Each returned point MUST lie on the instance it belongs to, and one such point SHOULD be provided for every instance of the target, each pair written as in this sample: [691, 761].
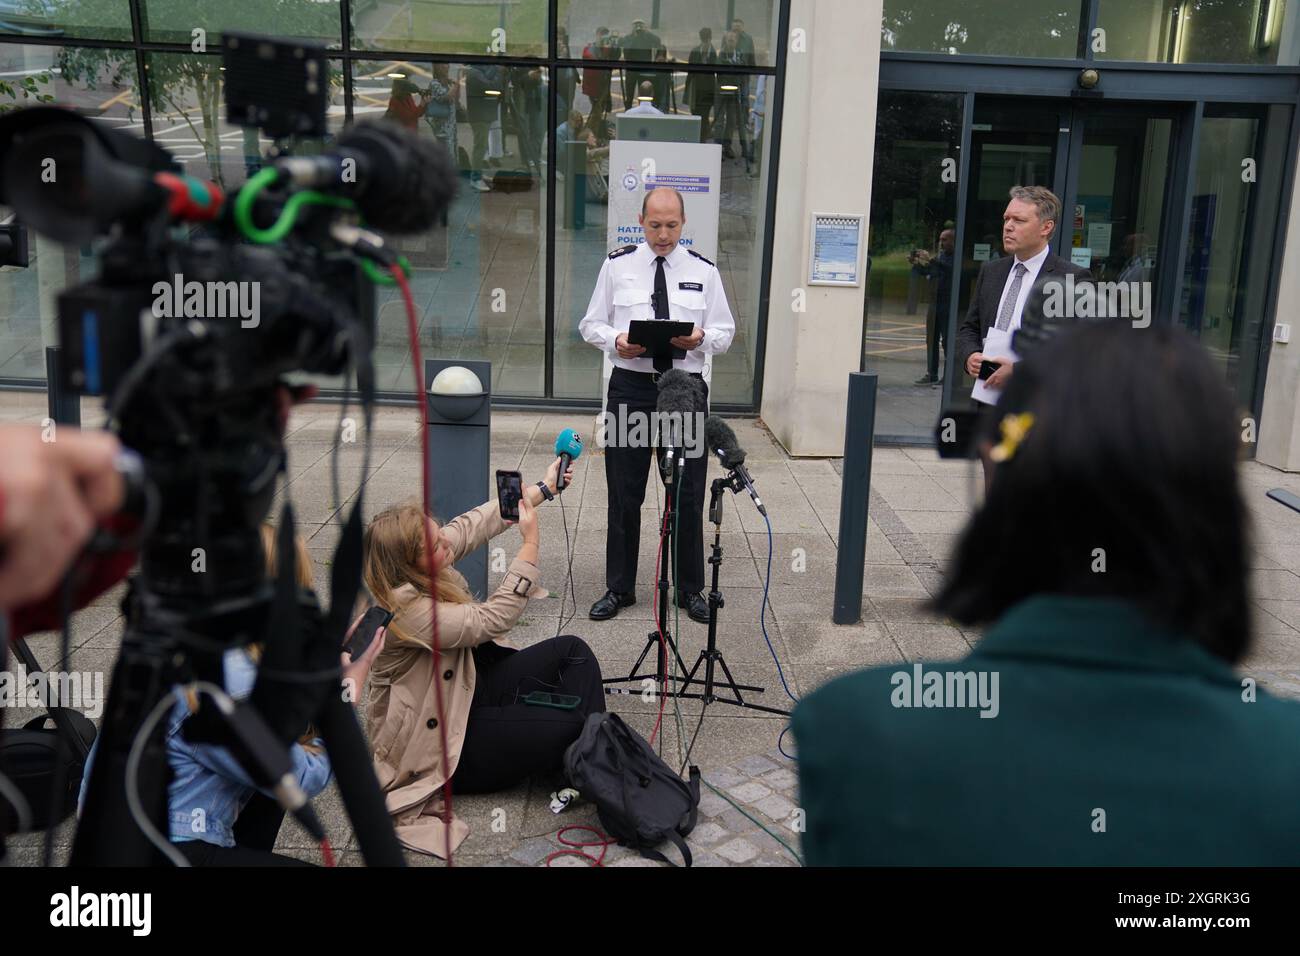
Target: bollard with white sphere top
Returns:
[458, 414]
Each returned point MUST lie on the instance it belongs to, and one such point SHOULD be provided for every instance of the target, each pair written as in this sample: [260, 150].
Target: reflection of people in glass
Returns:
[732, 104]
[482, 98]
[440, 112]
[566, 78]
[745, 50]
[646, 106]
[665, 95]
[403, 107]
[528, 103]
[638, 47]
[938, 269]
[702, 88]
[575, 129]
[744, 42]
[595, 83]
[1134, 267]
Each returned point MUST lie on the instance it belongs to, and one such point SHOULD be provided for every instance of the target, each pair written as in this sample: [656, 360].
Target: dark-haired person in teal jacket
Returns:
[1100, 720]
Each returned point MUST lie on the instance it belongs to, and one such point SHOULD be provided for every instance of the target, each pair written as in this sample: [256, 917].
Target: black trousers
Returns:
[626, 470]
[258, 824]
[936, 336]
[507, 740]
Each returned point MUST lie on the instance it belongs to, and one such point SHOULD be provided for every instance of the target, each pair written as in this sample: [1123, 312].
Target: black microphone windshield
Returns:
[722, 442]
[678, 392]
[404, 182]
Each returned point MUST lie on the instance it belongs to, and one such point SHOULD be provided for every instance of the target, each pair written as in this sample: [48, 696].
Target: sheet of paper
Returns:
[1099, 238]
[997, 345]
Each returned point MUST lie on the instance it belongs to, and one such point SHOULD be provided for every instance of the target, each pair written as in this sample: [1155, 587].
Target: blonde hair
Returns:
[303, 563]
[394, 546]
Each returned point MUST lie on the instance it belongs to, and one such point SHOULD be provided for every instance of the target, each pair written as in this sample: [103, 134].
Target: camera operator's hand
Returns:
[51, 496]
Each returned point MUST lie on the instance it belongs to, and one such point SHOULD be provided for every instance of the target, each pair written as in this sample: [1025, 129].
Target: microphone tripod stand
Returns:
[711, 654]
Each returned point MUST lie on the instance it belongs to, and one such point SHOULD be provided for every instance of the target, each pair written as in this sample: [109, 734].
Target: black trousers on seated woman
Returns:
[507, 740]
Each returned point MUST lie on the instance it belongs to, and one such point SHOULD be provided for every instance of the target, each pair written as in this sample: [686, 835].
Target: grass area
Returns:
[889, 275]
[442, 27]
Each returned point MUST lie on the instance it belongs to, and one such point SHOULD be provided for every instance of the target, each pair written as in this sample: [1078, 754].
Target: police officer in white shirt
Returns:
[657, 279]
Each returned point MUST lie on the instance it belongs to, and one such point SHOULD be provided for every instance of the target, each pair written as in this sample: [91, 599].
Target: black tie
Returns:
[662, 362]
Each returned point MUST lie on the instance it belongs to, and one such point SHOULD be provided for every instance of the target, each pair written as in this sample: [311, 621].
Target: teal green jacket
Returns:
[1114, 742]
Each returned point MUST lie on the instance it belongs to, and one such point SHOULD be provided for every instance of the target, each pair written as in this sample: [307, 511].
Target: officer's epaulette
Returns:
[700, 257]
[622, 252]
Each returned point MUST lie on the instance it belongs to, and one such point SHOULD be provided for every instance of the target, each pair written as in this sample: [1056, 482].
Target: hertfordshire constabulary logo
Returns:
[630, 181]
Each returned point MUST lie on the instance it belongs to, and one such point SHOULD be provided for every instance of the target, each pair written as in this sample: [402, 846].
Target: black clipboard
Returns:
[654, 334]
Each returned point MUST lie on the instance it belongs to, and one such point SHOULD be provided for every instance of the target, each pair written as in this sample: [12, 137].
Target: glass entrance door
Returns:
[1110, 163]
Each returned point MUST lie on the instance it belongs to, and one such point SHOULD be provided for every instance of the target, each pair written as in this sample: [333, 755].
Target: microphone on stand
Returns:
[722, 442]
[401, 182]
[679, 396]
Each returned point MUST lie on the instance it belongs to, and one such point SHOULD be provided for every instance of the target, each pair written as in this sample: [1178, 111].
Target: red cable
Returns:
[604, 843]
[327, 852]
[654, 611]
[413, 332]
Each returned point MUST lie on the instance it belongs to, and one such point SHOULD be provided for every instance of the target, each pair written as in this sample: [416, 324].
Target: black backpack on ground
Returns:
[29, 757]
[640, 801]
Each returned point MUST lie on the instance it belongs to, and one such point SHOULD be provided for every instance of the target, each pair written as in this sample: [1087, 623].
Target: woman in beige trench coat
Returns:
[494, 739]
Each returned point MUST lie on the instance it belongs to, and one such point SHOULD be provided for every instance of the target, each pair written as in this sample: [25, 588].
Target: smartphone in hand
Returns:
[987, 369]
[371, 622]
[510, 488]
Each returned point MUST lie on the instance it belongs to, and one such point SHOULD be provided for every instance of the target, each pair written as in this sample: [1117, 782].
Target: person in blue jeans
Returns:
[210, 790]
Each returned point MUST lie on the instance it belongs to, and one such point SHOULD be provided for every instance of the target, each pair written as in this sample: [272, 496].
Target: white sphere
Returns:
[456, 380]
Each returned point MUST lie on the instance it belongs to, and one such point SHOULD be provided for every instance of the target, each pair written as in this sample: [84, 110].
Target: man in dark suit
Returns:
[702, 87]
[1006, 286]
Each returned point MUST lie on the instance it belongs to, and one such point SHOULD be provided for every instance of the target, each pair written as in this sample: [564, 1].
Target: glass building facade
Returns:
[1174, 164]
[523, 93]
[1175, 168]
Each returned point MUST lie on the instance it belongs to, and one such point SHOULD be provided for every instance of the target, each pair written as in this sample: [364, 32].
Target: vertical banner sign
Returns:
[693, 169]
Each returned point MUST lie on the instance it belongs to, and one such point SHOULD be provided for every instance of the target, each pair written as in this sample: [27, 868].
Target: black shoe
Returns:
[697, 609]
[609, 605]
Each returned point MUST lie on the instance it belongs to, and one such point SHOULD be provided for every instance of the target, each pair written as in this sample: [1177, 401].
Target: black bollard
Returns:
[855, 489]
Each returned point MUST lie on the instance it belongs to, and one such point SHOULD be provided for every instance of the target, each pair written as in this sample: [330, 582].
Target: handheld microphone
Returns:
[401, 182]
[679, 395]
[568, 445]
[722, 442]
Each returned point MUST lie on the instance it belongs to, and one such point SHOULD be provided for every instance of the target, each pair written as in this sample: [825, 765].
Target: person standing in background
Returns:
[702, 88]
[566, 77]
[939, 271]
[596, 82]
